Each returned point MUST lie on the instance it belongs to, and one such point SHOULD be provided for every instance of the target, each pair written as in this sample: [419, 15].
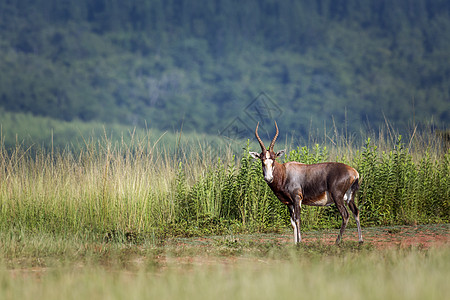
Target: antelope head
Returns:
[267, 156]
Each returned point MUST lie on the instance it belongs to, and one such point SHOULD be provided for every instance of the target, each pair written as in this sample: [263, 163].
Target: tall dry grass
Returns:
[133, 190]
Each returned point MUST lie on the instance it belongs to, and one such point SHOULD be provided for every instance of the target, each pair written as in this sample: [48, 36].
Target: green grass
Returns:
[240, 267]
[118, 191]
[376, 276]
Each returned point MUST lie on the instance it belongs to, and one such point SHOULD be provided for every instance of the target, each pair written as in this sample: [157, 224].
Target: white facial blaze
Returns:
[268, 168]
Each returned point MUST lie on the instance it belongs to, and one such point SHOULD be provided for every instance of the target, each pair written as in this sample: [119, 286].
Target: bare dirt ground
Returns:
[424, 236]
[230, 250]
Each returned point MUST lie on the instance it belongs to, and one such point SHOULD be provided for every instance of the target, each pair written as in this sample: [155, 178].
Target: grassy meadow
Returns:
[133, 191]
[70, 268]
[99, 221]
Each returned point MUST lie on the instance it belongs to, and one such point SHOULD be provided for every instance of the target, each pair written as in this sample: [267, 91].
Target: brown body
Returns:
[323, 184]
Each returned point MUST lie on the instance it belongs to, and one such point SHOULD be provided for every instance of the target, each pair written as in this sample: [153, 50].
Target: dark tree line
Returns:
[198, 63]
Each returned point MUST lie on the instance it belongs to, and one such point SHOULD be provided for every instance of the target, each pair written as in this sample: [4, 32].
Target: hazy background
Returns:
[216, 67]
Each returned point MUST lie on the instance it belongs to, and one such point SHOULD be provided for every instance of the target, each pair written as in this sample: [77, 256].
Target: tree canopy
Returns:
[199, 64]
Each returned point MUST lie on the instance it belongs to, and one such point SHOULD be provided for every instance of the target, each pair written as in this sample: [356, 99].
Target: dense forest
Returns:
[202, 65]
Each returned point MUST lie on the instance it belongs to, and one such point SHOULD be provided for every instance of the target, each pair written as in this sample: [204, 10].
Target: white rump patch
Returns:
[348, 195]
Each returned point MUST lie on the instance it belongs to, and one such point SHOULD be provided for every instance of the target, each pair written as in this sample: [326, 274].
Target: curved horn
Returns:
[263, 148]
[274, 138]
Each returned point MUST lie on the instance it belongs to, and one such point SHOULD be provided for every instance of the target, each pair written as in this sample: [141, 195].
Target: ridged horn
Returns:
[263, 148]
[274, 138]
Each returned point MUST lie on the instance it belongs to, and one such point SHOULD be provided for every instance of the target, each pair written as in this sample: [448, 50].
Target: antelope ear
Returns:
[281, 152]
[254, 154]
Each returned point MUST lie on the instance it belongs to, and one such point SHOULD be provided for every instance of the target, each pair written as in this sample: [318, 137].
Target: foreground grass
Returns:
[45, 266]
[315, 271]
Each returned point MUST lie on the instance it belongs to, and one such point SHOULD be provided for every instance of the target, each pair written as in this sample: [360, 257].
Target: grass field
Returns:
[133, 191]
[404, 262]
[118, 220]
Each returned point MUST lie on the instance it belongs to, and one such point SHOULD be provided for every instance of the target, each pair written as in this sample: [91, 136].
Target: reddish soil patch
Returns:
[405, 236]
[185, 253]
[426, 236]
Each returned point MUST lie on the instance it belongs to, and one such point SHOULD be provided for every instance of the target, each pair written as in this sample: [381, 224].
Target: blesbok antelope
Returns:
[319, 184]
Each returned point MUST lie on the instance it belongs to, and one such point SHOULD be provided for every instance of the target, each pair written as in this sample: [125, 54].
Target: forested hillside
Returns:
[199, 64]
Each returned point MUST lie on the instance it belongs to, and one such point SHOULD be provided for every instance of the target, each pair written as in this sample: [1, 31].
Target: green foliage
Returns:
[251, 201]
[171, 63]
[395, 189]
[306, 156]
[36, 132]
[233, 192]
[133, 192]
